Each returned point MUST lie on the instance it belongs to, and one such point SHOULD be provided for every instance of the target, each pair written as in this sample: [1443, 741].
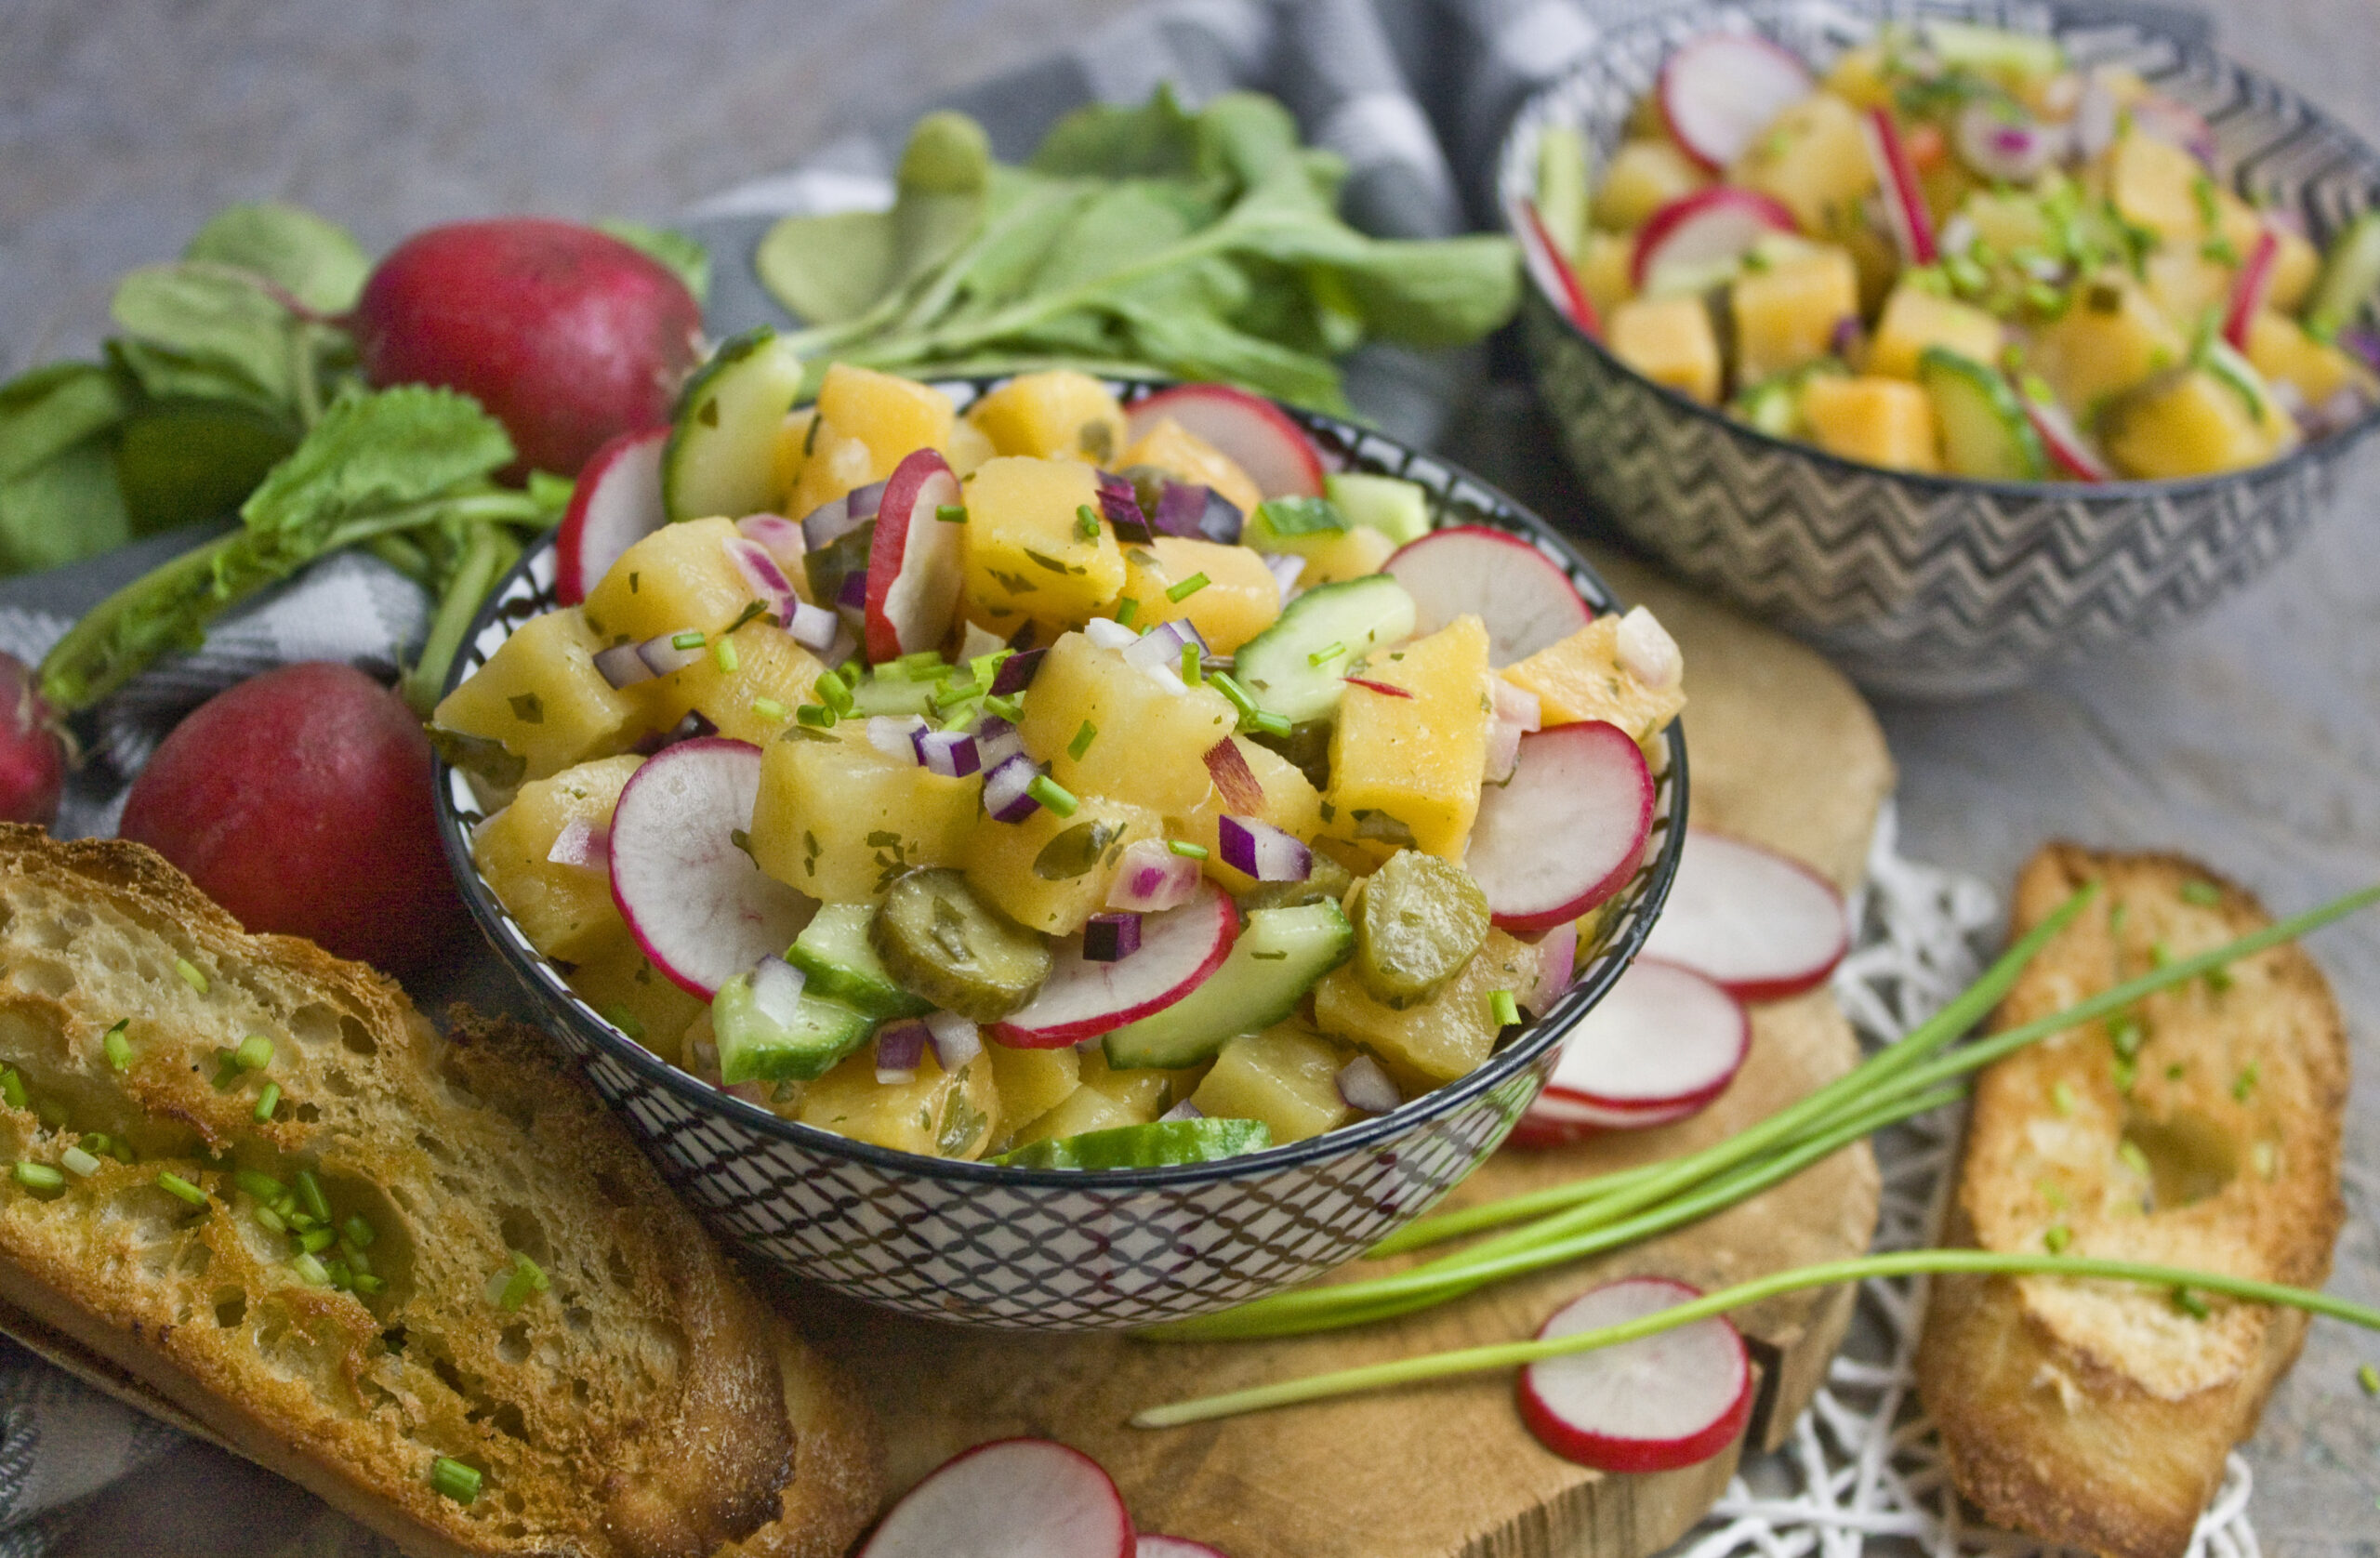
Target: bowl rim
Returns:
[1530, 118]
[534, 971]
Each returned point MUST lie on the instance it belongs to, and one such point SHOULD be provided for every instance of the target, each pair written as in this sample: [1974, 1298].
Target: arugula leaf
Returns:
[309, 257]
[668, 247]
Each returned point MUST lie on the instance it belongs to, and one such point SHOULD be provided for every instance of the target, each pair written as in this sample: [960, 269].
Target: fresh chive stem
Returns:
[118, 1046]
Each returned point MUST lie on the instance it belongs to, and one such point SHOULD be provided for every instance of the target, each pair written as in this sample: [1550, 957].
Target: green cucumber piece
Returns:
[1160, 1144]
[755, 1047]
[1278, 667]
[1985, 431]
[1278, 956]
[1562, 180]
[721, 454]
[1995, 51]
[834, 953]
[2351, 272]
[1397, 509]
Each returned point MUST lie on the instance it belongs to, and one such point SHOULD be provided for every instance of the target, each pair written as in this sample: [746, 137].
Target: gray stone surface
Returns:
[2251, 738]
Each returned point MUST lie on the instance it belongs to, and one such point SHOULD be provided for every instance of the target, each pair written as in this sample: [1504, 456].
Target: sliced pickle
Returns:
[943, 943]
[1418, 921]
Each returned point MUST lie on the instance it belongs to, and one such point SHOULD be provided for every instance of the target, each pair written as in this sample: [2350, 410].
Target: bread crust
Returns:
[647, 1405]
[2099, 1415]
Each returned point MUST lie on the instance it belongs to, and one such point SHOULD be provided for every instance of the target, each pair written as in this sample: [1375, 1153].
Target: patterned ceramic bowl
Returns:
[1052, 1250]
[1934, 587]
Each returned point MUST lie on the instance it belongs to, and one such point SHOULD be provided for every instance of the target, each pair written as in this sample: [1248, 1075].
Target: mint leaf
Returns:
[375, 452]
[668, 247]
[310, 258]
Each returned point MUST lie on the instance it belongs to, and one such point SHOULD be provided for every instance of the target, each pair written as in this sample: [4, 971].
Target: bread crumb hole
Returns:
[618, 1264]
[578, 1320]
[580, 1392]
[44, 977]
[314, 1023]
[433, 1146]
[615, 1193]
[506, 1419]
[307, 1113]
[513, 1345]
[357, 1038]
[49, 935]
[524, 1232]
[340, 1082]
[231, 1307]
[2191, 1157]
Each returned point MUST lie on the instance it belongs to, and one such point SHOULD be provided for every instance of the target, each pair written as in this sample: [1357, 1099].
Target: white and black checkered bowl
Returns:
[1054, 1251]
[1934, 587]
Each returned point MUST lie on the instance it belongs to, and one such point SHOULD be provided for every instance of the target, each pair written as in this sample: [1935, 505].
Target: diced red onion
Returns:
[2343, 407]
[1196, 513]
[767, 581]
[1109, 634]
[663, 657]
[1110, 938]
[1186, 1109]
[1160, 647]
[839, 516]
[812, 627]
[895, 734]
[1286, 568]
[1993, 146]
[1646, 651]
[1366, 1084]
[1386, 688]
[955, 1039]
[776, 990]
[1008, 790]
[1557, 963]
[996, 741]
[1016, 672]
[581, 843]
[779, 535]
[1233, 777]
[1843, 339]
[623, 665]
[1264, 851]
[1957, 234]
[1502, 756]
[1151, 878]
[1518, 704]
[2162, 118]
[853, 595]
[1121, 505]
[2363, 345]
[846, 644]
[694, 727]
[899, 1048]
[951, 754]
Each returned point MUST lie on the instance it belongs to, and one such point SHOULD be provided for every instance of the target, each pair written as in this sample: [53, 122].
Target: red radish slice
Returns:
[1175, 1546]
[1553, 272]
[1568, 828]
[1257, 435]
[616, 504]
[1523, 596]
[1760, 925]
[1721, 90]
[1011, 1498]
[1697, 235]
[1905, 210]
[693, 900]
[1083, 997]
[2066, 446]
[1663, 1040]
[916, 563]
[1672, 1399]
[2248, 292]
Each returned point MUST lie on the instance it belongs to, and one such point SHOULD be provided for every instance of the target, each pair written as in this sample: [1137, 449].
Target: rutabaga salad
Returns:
[1959, 252]
[1073, 784]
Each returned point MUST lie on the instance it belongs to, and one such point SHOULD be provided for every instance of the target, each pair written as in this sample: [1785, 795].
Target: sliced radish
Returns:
[1663, 1040]
[1696, 238]
[2070, 451]
[1905, 210]
[1524, 597]
[1566, 831]
[1721, 90]
[1011, 1498]
[1760, 925]
[1672, 1399]
[2248, 292]
[693, 900]
[1084, 997]
[1553, 272]
[916, 563]
[1254, 433]
[1175, 1546]
[616, 504]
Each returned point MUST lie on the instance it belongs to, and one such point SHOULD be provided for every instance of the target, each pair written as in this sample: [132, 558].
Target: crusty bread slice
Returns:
[643, 1405]
[2098, 1415]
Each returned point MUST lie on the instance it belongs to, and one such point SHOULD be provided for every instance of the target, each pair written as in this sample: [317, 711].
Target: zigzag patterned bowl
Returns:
[1037, 1249]
[1934, 587]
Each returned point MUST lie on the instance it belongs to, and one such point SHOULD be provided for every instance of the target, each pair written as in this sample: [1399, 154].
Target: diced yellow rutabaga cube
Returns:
[2195, 423]
[540, 696]
[1052, 873]
[791, 452]
[1813, 160]
[1032, 1082]
[831, 462]
[1581, 678]
[839, 820]
[680, 579]
[895, 416]
[1441, 1038]
[1084, 1109]
[2111, 338]
[2159, 186]
[1239, 600]
[622, 985]
[1292, 804]
[1147, 1091]
[2293, 270]
[1914, 319]
[2184, 283]
[2283, 352]
[1026, 554]
[1863, 76]
[1641, 178]
[2008, 219]
[772, 675]
[1786, 315]
[1888, 422]
[1411, 765]
[936, 1114]
[1107, 727]
[1604, 268]
[968, 447]
[1174, 449]
[1059, 415]
[566, 911]
[1669, 341]
[1330, 556]
[1285, 1077]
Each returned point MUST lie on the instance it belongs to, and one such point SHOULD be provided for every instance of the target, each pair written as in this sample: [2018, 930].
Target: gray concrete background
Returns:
[2251, 738]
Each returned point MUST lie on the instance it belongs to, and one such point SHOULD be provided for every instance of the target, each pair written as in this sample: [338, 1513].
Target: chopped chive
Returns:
[255, 1052]
[268, 1100]
[454, 1480]
[1052, 794]
[2368, 1378]
[2246, 1083]
[1008, 705]
[190, 973]
[174, 1184]
[1186, 588]
[2218, 979]
[2061, 1097]
[751, 608]
[310, 1269]
[2117, 915]
[2190, 1303]
[2127, 1033]
[1187, 850]
[83, 1163]
[814, 716]
[313, 1241]
[2204, 894]
[512, 1285]
[2135, 1160]
[1086, 523]
[2159, 954]
[2126, 1073]
[118, 1047]
[1126, 611]
[2053, 1193]
[724, 652]
[2057, 1237]
[1191, 672]
[264, 1187]
[310, 1191]
[50, 1113]
[13, 1087]
[950, 513]
[1265, 722]
[356, 1260]
[1081, 743]
[1507, 1010]
[1327, 654]
[834, 691]
[769, 708]
[367, 1283]
[1228, 685]
[38, 1176]
[338, 1272]
[270, 1219]
[690, 639]
[227, 1070]
[358, 1233]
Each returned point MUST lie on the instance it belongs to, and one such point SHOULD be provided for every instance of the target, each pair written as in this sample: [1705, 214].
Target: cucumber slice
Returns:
[1397, 509]
[1985, 431]
[1160, 1144]
[1995, 51]
[755, 1047]
[1279, 666]
[2351, 272]
[833, 951]
[1277, 960]
[721, 455]
[1562, 180]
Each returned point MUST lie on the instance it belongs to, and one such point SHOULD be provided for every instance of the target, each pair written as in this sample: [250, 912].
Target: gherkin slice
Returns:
[1418, 921]
[943, 943]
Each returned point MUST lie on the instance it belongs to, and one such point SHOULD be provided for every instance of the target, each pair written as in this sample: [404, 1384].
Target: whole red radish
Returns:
[300, 801]
[33, 755]
[568, 336]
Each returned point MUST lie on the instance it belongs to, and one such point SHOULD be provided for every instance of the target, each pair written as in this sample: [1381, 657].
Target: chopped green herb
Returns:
[511, 1285]
[724, 652]
[2127, 1035]
[118, 1047]
[2135, 1160]
[313, 1241]
[38, 1176]
[1228, 685]
[174, 1184]
[264, 1187]
[2246, 1083]
[190, 973]
[1187, 850]
[950, 513]
[2159, 954]
[834, 691]
[812, 715]
[1507, 1010]
[13, 1087]
[751, 608]
[454, 1480]
[1008, 705]
[2204, 894]
[2126, 1073]
[1300, 516]
[310, 1192]
[255, 1052]
[1086, 522]
[2057, 1238]
[1186, 588]
[2218, 979]
[2062, 1097]
[1052, 794]
[2190, 1303]
[310, 1269]
[2053, 1193]
[80, 1163]
[266, 1217]
[768, 708]
[358, 1233]
[1327, 654]
[1191, 671]
[1266, 723]
[2368, 1378]
[1081, 743]
[268, 1100]
[1128, 611]
[688, 639]
[367, 1284]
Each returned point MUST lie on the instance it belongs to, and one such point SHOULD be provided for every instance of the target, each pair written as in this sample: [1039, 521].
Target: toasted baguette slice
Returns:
[2098, 1415]
[643, 1404]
